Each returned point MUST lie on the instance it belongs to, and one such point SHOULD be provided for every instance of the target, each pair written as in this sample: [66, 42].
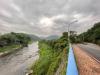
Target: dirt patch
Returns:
[86, 65]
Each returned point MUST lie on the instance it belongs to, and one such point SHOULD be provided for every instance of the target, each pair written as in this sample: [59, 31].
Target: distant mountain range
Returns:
[52, 37]
[34, 37]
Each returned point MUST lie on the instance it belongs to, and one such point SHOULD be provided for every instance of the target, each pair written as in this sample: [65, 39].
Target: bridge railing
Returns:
[71, 66]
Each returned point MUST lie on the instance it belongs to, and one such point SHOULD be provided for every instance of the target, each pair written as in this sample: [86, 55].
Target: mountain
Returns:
[52, 37]
[34, 37]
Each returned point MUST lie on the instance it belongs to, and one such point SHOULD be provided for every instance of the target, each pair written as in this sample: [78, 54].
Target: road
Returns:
[92, 49]
[19, 62]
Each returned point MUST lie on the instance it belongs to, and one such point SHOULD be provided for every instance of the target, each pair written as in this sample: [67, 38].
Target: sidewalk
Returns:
[86, 65]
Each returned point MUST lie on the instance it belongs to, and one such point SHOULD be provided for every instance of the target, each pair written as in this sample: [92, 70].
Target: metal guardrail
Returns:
[71, 66]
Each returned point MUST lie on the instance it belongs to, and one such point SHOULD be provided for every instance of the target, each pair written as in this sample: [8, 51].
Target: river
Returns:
[18, 62]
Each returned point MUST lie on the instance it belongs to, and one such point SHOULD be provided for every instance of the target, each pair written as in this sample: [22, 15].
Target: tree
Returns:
[92, 35]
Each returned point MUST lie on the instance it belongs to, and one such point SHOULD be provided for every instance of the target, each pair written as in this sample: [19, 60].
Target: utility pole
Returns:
[72, 67]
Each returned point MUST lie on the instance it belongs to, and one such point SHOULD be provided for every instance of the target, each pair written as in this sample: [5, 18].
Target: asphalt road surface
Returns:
[18, 63]
[91, 49]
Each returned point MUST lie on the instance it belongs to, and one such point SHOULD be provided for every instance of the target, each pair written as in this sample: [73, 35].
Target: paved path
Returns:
[85, 59]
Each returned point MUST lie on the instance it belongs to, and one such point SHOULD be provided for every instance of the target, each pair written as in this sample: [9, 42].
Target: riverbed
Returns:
[19, 62]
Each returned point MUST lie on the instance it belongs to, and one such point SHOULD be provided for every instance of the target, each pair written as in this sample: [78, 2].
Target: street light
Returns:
[72, 67]
[69, 30]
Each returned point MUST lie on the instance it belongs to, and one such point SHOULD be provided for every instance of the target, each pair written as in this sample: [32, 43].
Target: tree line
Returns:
[92, 35]
[59, 44]
[14, 38]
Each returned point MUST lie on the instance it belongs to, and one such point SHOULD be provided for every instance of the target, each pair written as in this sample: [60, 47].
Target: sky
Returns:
[48, 17]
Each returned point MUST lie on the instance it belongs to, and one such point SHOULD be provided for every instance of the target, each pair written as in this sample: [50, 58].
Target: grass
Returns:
[42, 65]
[9, 48]
[48, 62]
[54, 65]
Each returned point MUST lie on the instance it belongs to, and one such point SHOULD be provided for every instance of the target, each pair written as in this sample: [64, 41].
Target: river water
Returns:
[18, 63]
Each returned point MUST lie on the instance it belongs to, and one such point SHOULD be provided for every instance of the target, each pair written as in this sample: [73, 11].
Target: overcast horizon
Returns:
[47, 17]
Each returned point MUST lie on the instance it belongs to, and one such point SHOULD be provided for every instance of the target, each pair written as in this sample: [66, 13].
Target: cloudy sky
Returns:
[48, 17]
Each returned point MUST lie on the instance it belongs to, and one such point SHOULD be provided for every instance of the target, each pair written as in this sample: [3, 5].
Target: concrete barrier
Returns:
[71, 66]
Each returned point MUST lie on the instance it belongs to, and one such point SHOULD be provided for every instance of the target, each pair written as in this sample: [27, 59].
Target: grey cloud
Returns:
[25, 15]
[85, 6]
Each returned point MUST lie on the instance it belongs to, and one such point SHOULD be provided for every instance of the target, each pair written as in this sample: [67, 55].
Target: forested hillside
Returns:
[13, 40]
[92, 35]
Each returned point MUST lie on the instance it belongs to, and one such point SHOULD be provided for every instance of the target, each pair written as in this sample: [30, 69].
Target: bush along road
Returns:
[53, 55]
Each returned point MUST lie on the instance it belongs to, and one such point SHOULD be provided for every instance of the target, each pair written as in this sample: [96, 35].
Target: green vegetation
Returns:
[52, 54]
[13, 40]
[92, 35]
[9, 48]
